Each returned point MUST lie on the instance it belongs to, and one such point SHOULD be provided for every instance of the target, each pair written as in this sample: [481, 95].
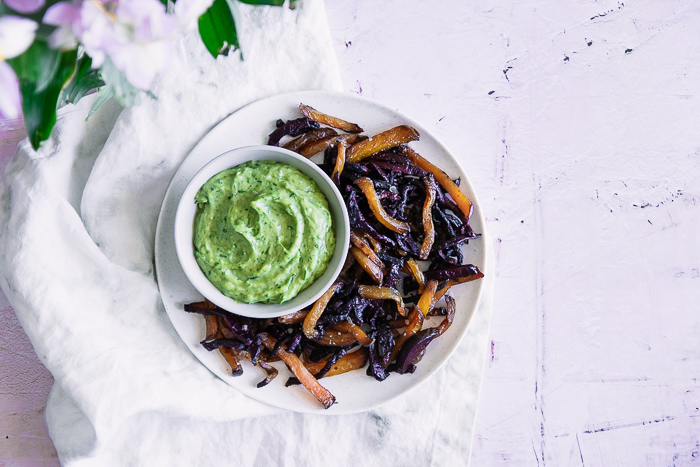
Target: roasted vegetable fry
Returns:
[349, 362]
[291, 128]
[312, 317]
[412, 267]
[360, 335]
[413, 349]
[427, 298]
[211, 326]
[428, 226]
[372, 268]
[382, 293]
[449, 317]
[358, 240]
[339, 161]
[309, 138]
[442, 178]
[334, 122]
[336, 338]
[414, 325]
[381, 142]
[321, 145]
[367, 187]
[231, 357]
[312, 385]
[293, 318]
[464, 273]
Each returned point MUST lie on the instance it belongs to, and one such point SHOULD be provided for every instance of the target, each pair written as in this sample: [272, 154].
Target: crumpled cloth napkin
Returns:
[77, 226]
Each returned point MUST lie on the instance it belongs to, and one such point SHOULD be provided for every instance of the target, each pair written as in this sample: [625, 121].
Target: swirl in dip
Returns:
[263, 232]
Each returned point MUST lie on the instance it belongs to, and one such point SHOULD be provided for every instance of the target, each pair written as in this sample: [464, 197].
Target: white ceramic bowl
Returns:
[184, 231]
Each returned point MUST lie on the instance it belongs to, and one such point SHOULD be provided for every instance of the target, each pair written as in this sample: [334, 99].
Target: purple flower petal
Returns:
[10, 102]
[61, 14]
[25, 6]
[16, 35]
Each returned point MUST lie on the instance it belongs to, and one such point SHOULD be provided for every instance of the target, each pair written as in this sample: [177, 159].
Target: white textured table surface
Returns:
[578, 122]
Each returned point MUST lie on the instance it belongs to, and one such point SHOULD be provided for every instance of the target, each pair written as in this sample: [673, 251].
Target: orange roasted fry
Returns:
[339, 161]
[367, 187]
[357, 240]
[348, 362]
[411, 266]
[415, 324]
[318, 146]
[325, 119]
[231, 357]
[381, 142]
[321, 145]
[334, 337]
[355, 330]
[211, 326]
[382, 293]
[442, 178]
[449, 317]
[309, 138]
[443, 291]
[311, 384]
[428, 227]
[376, 246]
[312, 317]
[427, 298]
[293, 318]
[453, 282]
[367, 264]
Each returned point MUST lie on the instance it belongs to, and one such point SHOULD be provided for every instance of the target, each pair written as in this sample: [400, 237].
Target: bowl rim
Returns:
[183, 231]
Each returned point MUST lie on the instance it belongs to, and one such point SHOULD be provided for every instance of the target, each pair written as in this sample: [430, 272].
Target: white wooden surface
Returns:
[579, 124]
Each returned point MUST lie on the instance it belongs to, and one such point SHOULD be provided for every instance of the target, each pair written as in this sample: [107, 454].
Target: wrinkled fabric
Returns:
[78, 221]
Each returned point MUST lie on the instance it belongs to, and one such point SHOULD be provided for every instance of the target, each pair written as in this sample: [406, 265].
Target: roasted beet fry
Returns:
[291, 128]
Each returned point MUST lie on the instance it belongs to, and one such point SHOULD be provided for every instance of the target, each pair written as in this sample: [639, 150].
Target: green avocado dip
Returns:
[263, 232]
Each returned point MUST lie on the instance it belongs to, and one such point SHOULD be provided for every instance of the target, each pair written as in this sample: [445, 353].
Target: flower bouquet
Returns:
[52, 53]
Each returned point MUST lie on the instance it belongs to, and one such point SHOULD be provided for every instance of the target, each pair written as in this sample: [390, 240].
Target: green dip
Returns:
[263, 232]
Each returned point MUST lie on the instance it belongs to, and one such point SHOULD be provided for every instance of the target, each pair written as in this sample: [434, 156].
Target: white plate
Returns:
[354, 391]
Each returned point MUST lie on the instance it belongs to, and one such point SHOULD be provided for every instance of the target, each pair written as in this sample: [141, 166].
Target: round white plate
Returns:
[354, 391]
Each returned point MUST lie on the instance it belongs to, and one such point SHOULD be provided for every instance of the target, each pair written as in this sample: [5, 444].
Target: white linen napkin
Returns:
[77, 224]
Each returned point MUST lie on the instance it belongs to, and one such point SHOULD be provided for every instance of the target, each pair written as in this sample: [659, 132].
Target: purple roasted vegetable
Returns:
[414, 349]
[223, 342]
[457, 272]
[291, 128]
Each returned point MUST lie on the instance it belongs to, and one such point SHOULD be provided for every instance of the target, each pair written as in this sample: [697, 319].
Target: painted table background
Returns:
[579, 124]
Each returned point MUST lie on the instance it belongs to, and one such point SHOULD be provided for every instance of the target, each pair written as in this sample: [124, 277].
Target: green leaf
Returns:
[84, 80]
[263, 2]
[38, 64]
[124, 91]
[218, 29]
[39, 105]
[102, 96]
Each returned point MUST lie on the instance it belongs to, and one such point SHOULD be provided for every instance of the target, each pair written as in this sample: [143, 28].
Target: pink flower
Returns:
[66, 16]
[137, 35]
[16, 35]
[25, 6]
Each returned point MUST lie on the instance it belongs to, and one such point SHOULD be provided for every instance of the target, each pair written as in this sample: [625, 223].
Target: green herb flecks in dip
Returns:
[263, 232]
